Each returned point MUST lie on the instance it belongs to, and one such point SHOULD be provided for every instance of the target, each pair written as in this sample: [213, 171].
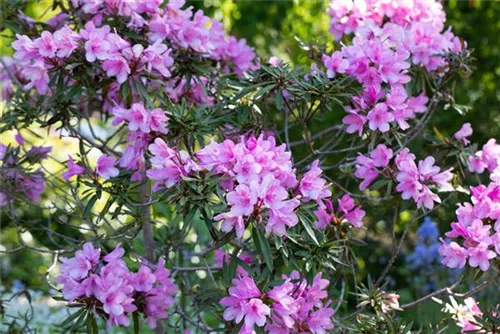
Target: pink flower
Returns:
[381, 155]
[323, 218]
[312, 186]
[144, 279]
[46, 45]
[159, 121]
[115, 255]
[272, 192]
[275, 61]
[138, 118]
[346, 203]
[66, 41]
[38, 76]
[464, 132]
[243, 302]
[355, 217]
[320, 320]
[118, 67]
[480, 256]
[26, 50]
[354, 122]
[247, 169]
[230, 222]
[255, 313]
[427, 169]
[77, 267]
[379, 118]
[365, 169]
[426, 198]
[335, 64]
[476, 164]
[453, 255]
[242, 200]
[73, 169]
[282, 217]
[105, 167]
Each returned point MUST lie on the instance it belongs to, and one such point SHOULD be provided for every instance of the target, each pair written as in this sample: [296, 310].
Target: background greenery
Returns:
[274, 28]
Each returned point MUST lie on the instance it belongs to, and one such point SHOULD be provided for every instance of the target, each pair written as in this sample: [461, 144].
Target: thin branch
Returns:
[447, 289]
[318, 135]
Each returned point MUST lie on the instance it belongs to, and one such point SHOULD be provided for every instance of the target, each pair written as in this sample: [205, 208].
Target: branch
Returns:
[447, 289]
[318, 135]
[398, 248]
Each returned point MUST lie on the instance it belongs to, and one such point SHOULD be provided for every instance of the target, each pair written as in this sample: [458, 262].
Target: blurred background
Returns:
[274, 28]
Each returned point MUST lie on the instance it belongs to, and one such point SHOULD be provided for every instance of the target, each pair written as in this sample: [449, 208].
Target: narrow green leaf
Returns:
[233, 265]
[91, 323]
[264, 247]
[72, 317]
[89, 206]
[309, 230]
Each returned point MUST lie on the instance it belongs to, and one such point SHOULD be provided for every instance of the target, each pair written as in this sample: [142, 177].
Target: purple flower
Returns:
[117, 67]
[73, 169]
[464, 132]
[106, 167]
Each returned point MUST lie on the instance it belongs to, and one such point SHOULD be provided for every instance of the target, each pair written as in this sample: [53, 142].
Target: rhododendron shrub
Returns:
[202, 189]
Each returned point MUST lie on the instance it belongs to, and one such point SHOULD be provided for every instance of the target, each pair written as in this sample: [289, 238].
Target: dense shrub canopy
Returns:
[172, 179]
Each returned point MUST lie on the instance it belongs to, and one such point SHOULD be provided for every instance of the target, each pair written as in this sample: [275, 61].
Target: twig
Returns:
[318, 135]
[398, 249]
[433, 294]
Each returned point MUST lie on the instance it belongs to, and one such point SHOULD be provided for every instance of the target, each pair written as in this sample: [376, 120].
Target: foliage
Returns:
[272, 189]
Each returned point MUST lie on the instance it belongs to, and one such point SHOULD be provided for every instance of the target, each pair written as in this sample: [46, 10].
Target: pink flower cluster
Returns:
[347, 16]
[120, 58]
[117, 56]
[202, 34]
[144, 126]
[414, 180]
[487, 159]
[180, 27]
[107, 284]
[381, 54]
[347, 210]
[291, 307]
[478, 227]
[258, 176]
[369, 168]
[168, 165]
[132, 9]
[380, 63]
[17, 178]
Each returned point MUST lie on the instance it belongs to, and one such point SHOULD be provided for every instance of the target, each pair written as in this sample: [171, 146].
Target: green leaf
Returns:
[263, 246]
[69, 320]
[309, 230]
[245, 266]
[238, 328]
[279, 100]
[263, 91]
[59, 298]
[233, 265]
[92, 324]
[225, 274]
[88, 207]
